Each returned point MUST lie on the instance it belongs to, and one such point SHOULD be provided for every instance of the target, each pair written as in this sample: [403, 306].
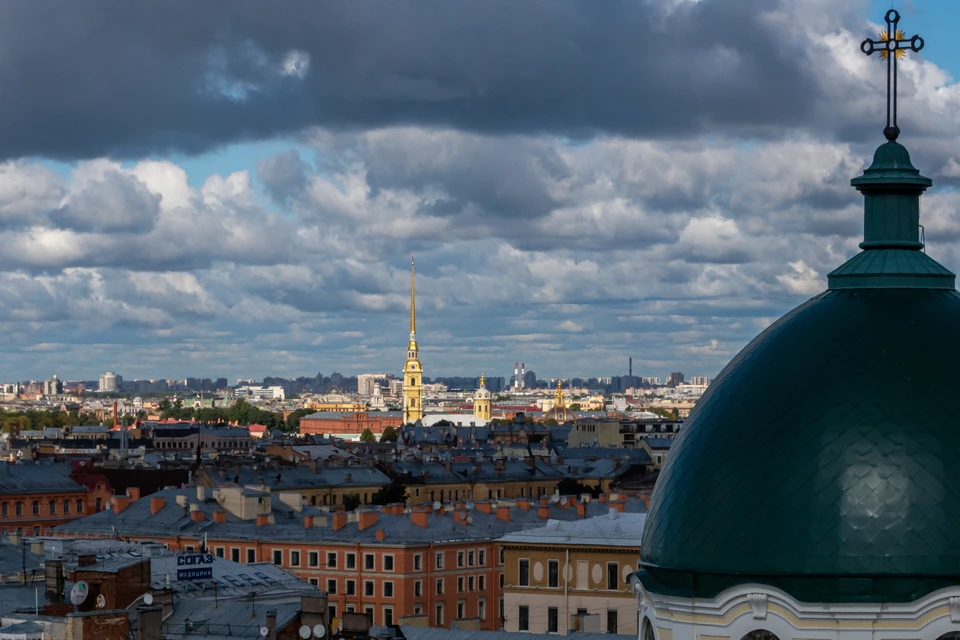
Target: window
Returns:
[351, 587]
[368, 588]
[440, 560]
[332, 560]
[314, 581]
[553, 620]
[417, 589]
[313, 558]
[470, 582]
[36, 507]
[440, 586]
[53, 508]
[3, 510]
[332, 611]
[460, 584]
[470, 558]
[351, 561]
[482, 583]
[613, 575]
[482, 609]
[387, 616]
[332, 586]
[438, 620]
[460, 607]
[417, 562]
[388, 563]
[500, 605]
[387, 589]
[523, 616]
[501, 555]
[482, 557]
[501, 581]
[369, 612]
[251, 556]
[278, 556]
[294, 558]
[235, 555]
[524, 577]
[220, 552]
[368, 561]
[553, 573]
[459, 558]
[611, 620]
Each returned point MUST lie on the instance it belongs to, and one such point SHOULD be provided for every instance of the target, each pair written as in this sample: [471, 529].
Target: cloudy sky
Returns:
[210, 189]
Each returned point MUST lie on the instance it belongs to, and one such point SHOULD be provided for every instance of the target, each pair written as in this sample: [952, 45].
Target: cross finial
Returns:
[892, 46]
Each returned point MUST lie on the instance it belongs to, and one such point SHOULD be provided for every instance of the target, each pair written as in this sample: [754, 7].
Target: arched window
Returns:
[80, 507]
[648, 630]
[760, 634]
[19, 508]
[36, 507]
[53, 508]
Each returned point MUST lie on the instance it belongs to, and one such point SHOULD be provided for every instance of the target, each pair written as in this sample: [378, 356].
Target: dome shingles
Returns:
[820, 458]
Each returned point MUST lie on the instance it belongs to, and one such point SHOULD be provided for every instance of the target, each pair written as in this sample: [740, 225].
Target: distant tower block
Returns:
[630, 370]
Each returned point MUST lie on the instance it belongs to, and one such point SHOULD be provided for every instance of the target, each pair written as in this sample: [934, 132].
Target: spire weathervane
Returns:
[892, 46]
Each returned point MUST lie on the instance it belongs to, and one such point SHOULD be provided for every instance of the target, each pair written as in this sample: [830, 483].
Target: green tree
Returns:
[351, 501]
[293, 420]
[393, 493]
[571, 487]
[367, 436]
[390, 434]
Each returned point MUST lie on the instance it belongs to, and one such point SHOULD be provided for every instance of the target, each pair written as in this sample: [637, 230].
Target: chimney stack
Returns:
[339, 520]
[157, 503]
[271, 624]
[367, 519]
[631, 367]
[516, 375]
[150, 623]
[503, 513]
[53, 581]
[523, 375]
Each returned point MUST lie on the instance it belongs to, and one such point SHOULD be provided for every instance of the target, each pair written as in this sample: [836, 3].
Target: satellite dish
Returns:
[554, 498]
[318, 630]
[305, 632]
[101, 601]
[106, 505]
[264, 631]
[436, 506]
[148, 599]
[79, 593]
[469, 519]
[563, 501]
[470, 505]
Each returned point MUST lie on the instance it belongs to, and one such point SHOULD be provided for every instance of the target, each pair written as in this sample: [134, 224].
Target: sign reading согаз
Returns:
[191, 567]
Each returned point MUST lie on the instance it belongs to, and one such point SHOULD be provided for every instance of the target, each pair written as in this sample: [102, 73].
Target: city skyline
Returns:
[254, 211]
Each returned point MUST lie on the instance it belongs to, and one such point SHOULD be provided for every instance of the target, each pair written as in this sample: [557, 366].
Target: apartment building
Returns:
[573, 576]
[421, 565]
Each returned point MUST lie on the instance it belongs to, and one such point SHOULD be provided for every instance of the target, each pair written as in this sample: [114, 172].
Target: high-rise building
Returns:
[53, 386]
[675, 378]
[412, 371]
[110, 382]
[367, 381]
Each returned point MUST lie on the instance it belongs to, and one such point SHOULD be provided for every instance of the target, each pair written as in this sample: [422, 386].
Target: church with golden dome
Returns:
[482, 401]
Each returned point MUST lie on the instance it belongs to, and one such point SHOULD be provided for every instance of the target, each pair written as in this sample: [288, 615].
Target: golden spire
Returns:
[483, 381]
[413, 305]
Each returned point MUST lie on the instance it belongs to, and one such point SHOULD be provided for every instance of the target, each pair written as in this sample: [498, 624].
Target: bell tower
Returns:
[412, 371]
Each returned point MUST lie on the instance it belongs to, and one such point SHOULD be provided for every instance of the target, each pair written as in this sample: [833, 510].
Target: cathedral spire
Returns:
[413, 304]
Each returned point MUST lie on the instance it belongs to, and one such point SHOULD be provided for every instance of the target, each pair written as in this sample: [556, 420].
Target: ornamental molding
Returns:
[758, 602]
[954, 608]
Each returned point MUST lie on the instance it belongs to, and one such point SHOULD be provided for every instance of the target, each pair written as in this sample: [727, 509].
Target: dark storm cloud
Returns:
[101, 77]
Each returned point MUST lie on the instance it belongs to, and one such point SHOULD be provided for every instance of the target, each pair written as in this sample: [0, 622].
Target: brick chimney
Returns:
[271, 624]
[460, 516]
[263, 519]
[150, 623]
[367, 519]
[339, 520]
[120, 503]
[381, 535]
[603, 497]
[581, 509]
[197, 516]
[420, 518]
[523, 503]
[503, 513]
[157, 503]
[619, 505]
[86, 559]
[133, 493]
[543, 511]
[307, 522]
[485, 507]
[219, 517]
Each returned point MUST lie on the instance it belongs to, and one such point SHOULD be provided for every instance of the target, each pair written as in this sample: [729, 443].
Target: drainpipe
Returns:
[566, 587]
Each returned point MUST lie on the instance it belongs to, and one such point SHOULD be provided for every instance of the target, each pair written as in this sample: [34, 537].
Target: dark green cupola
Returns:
[892, 244]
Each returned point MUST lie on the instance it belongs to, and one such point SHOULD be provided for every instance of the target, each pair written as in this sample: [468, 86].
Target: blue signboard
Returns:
[195, 566]
[198, 573]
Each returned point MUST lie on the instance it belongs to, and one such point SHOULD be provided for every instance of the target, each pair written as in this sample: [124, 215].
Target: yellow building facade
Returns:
[412, 371]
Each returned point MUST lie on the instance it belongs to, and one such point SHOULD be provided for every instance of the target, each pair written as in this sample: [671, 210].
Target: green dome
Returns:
[823, 458]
